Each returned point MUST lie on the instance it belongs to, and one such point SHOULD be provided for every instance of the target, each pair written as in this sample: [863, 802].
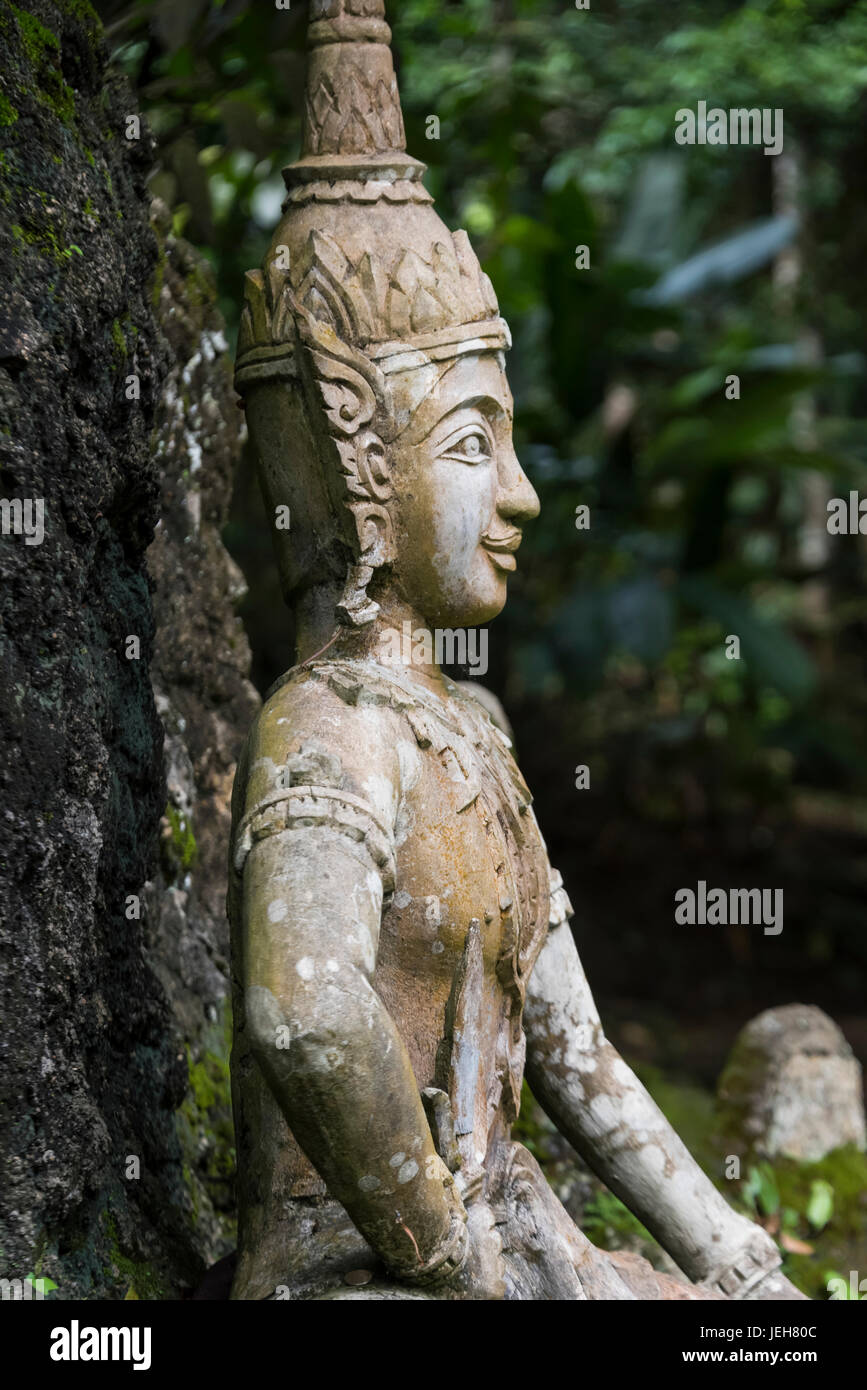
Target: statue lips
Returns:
[501, 549]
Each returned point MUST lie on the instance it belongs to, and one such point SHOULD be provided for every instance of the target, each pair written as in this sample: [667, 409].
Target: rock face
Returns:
[90, 1074]
[792, 1086]
[108, 1150]
[200, 664]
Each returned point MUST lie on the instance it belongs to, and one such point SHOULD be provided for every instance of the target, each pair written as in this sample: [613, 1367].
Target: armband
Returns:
[297, 808]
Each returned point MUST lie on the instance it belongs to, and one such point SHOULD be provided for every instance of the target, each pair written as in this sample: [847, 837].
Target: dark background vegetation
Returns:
[708, 516]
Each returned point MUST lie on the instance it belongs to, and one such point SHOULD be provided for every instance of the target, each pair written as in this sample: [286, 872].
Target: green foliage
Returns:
[178, 845]
[820, 1204]
[532, 1128]
[608, 1223]
[817, 1211]
[760, 1190]
[42, 1285]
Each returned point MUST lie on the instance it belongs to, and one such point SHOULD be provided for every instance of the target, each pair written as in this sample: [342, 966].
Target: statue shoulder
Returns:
[308, 734]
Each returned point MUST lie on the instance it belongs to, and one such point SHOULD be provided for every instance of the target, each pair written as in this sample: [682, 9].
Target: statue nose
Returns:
[517, 499]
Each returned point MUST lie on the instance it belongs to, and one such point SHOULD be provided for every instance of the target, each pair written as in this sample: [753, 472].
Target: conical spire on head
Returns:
[360, 248]
[351, 104]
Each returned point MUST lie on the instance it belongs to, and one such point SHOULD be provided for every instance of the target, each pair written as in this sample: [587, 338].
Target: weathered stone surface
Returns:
[90, 1073]
[793, 1086]
[200, 664]
[114, 1023]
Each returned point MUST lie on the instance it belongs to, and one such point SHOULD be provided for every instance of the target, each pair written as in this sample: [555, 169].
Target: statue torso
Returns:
[466, 849]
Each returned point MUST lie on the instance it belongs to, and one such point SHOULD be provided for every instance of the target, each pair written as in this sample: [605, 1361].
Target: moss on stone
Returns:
[84, 13]
[210, 1092]
[153, 1247]
[199, 285]
[162, 260]
[8, 114]
[141, 1280]
[44, 239]
[34, 36]
[120, 356]
[179, 846]
[43, 51]
[743, 1077]
[205, 1125]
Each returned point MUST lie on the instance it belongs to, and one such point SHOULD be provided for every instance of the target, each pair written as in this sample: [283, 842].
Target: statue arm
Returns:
[600, 1106]
[330, 1051]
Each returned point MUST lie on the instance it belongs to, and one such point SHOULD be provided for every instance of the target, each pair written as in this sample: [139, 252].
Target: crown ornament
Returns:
[363, 300]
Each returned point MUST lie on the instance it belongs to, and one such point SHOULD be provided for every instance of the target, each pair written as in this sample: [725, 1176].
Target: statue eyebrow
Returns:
[485, 404]
[489, 405]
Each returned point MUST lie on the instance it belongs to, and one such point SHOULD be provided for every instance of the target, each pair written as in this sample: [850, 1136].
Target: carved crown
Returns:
[360, 247]
[368, 299]
[364, 296]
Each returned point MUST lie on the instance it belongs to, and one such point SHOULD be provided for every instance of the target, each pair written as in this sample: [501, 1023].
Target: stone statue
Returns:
[402, 949]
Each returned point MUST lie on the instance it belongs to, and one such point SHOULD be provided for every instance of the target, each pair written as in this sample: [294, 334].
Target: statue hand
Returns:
[483, 1273]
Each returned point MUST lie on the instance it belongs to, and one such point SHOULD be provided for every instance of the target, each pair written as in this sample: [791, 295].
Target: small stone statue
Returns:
[402, 949]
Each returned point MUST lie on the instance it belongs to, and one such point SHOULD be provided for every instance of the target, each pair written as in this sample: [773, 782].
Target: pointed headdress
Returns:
[364, 299]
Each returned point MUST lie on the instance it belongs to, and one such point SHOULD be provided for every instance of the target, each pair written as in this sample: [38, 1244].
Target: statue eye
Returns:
[471, 447]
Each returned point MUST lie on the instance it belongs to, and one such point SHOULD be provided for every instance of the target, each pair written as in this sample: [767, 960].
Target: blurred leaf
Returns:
[722, 264]
[794, 1246]
[767, 1192]
[770, 654]
[820, 1206]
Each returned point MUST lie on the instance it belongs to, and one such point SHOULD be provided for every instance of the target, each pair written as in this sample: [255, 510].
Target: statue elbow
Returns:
[309, 1032]
[267, 1021]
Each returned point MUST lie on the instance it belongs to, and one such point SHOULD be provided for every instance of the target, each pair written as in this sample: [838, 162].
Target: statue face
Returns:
[461, 497]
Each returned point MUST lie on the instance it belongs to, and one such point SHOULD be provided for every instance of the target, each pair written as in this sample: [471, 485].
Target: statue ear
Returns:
[347, 393]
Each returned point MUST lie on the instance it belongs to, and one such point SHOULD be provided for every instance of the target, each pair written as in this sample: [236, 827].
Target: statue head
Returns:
[371, 361]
